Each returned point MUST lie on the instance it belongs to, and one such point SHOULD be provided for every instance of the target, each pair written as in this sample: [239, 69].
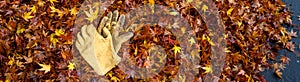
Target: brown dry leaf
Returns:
[290, 46]
[278, 73]
[292, 33]
[284, 60]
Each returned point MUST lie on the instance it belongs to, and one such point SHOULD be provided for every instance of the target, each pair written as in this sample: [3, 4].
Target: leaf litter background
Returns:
[36, 40]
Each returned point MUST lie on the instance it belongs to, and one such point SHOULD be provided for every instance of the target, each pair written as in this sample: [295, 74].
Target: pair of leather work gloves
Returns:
[99, 46]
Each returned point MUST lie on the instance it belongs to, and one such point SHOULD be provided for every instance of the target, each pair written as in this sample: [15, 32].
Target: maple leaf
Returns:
[176, 49]
[92, 15]
[20, 30]
[53, 9]
[192, 41]
[229, 11]
[59, 32]
[152, 2]
[249, 78]
[53, 40]
[242, 72]
[74, 11]
[204, 37]
[71, 66]
[240, 23]
[41, 3]
[284, 59]
[207, 69]
[52, 1]
[45, 68]
[11, 60]
[115, 79]
[33, 9]
[292, 33]
[227, 50]
[189, 1]
[278, 73]
[135, 50]
[27, 15]
[290, 46]
[204, 8]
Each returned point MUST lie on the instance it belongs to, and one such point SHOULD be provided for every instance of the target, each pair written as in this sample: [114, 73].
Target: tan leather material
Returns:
[99, 47]
[96, 50]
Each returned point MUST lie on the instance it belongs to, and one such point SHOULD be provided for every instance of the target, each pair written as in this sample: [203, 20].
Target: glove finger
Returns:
[102, 24]
[118, 26]
[121, 39]
[121, 20]
[108, 22]
[78, 44]
[114, 19]
[84, 33]
[115, 33]
[79, 39]
[90, 31]
[105, 32]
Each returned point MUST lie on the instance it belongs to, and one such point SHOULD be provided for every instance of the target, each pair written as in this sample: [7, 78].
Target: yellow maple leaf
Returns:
[20, 30]
[53, 40]
[71, 66]
[227, 50]
[115, 79]
[33, 9]
[189, 1]
[204, 8]
[204, 37]
[27, 15]
[45, 68]
[53, 9]
[135, 51]
[207, 69]
[176, 49]
[192, 41]
[91, 16]
[59, 32]
[11, 60]
[152, 2]
[41, 3]
[52, 1]
[240, 23]
[229, 11]
[74, 11]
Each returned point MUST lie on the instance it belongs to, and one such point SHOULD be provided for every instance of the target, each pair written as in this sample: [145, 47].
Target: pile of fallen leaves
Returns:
[36, 39]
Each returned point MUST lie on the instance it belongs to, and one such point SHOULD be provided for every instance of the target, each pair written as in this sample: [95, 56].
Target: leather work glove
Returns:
[100, 47]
